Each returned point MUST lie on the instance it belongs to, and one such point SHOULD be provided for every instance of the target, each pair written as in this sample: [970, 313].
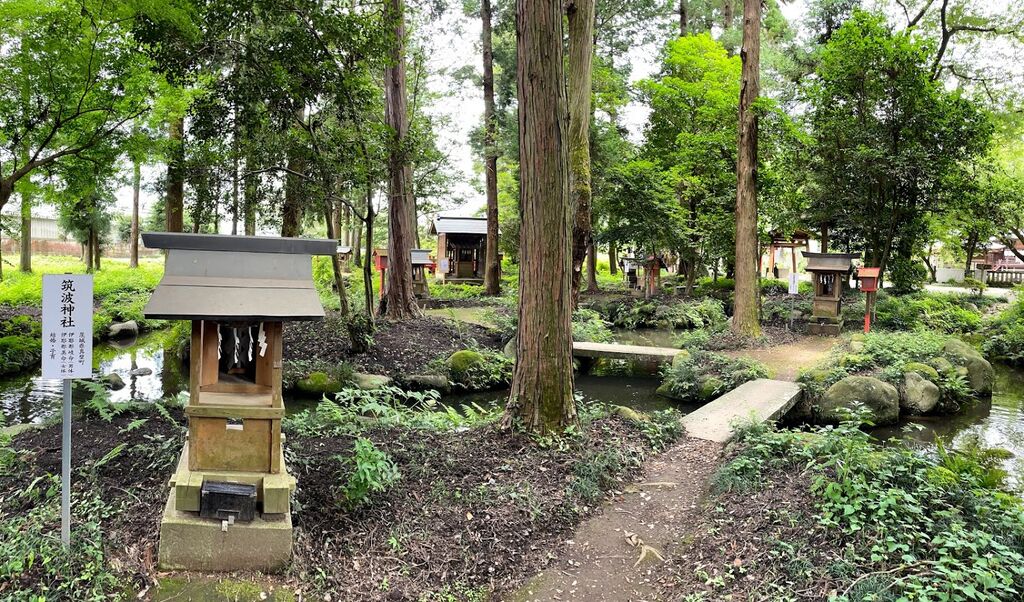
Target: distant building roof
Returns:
[830, 262]
[459, 225]
[217, 277]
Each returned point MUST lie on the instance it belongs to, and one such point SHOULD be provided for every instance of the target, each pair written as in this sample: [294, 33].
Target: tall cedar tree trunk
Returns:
[683, 17]
[581, 57]
[25, 265]
[591, 267]
[175, 200]
[745, 313]
[368, 258]
[291, 211]
[824, 238]
[399, 301]
[613, 258]
[541, 399]
[492, 268]
[133, 243]
[96, 249]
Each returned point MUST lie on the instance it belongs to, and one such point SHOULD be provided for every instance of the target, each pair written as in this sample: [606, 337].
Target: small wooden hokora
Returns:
[830, 272]
[229, 505]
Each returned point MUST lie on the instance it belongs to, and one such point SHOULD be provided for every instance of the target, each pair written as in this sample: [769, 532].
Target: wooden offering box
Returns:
[237, 291]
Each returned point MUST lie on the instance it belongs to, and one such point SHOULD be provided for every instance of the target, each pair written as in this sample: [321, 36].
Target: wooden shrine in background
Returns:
[230, 499]
[830, 272]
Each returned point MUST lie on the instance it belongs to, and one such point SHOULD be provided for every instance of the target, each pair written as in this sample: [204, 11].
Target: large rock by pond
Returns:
[920, 396]
[369, 382]
[980, 374]
[112, 381]
[924, 370]
[461, 362]
[318, 383]
[426, 382]
[123, 330]
[881, 398]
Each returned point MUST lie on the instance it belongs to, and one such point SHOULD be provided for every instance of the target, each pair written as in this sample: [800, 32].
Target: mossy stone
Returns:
[710, 386]
[629, 414]
[881, 398]
[318, 383]
[369, 382]
[854, 360]
[461, 362]
[941, 365]
[682, 357]
[923, 369]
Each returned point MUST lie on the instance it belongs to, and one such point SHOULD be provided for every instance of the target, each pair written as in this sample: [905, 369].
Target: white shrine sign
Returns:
[67, 326]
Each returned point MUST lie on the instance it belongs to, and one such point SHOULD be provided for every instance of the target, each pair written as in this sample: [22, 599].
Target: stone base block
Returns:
[825, 330]
[191, 543]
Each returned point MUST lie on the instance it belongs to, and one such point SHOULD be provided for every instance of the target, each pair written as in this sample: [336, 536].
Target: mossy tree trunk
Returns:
[746, 307]
[581, 57]
[492, 268]
[541, 399]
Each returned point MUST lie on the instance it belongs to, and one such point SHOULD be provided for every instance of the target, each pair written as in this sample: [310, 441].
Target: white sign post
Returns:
[794, 290]
[67, 354]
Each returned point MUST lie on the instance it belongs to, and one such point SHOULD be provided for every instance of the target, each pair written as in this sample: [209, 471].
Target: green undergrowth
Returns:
[704, 375]
[888, 356]
[940, 312]
[34, 564]
[901, 524]
[1003, 335]
[353, 410]
[662, 312]
[19, 288]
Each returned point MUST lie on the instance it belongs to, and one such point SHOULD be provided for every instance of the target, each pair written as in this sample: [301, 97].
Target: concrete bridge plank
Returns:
[623, 352]
[761, 400]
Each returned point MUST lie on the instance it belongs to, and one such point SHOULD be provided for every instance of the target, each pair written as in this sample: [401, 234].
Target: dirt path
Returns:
[786, 360]
[600, 562]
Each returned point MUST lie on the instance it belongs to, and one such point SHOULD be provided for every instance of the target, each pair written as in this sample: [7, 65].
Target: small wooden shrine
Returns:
[461, 248]
[421, 262]
[829, 271]
[230, 500]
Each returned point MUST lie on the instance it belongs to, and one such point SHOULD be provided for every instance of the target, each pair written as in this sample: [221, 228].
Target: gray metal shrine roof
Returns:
[219, 277]
[420, 256]
[830, 262]
[459, 225]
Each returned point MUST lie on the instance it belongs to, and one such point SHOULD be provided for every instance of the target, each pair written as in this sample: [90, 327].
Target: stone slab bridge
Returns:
[759, 400]
[615, 351]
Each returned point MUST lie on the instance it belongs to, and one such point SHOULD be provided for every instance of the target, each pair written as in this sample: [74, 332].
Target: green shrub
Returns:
[19, 353]
[588, 326]
[1004, 335]
[370, 472]
[480, 369]
[704, 375]
[664, 312]
[907, 275]
[954, 314]
[456, 291]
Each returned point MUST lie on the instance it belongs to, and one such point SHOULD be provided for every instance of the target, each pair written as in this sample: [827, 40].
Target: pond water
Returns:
[28, 398]
[998, 422]
[158, 374]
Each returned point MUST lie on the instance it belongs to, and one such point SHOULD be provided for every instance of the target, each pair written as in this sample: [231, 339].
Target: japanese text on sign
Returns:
[67, 326]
